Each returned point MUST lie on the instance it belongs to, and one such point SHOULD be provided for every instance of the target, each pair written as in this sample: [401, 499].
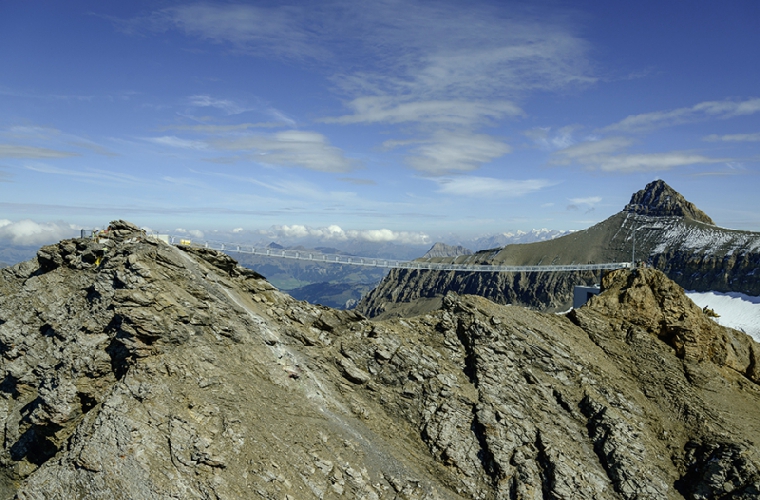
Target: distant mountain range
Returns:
[658, 227]
[511, 238]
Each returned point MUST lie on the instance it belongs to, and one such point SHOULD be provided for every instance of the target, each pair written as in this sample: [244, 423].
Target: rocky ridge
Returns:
[689, 248]
[133, 369]
[660, 200]
[443, 250]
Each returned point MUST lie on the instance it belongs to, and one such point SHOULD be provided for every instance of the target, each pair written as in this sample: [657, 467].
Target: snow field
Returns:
[736, 310]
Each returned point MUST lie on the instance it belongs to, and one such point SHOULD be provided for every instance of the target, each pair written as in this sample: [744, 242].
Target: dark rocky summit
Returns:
[134, 369]
[670, 233]
[658, 199]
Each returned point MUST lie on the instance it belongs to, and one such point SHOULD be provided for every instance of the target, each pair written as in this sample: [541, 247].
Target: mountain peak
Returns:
[444, 250]
[660, 200]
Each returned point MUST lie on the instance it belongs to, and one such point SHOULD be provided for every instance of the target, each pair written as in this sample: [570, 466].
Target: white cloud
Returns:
[377, 109]
[95, 148]
[590, 200]
[292, 148]
[222, 129]
[446, 152]
[226, 105]
[733, 138]
[29, 232]
[274, 31]
[238, 230]
[488, 186]
[650, 162]
[607, 155]
[89, 174]
[421, 63]
[18, 151]
[708, 109]
[548, 140]
[414, 48]
[336, 233]
[176, 142]
[591, 149]
[195, 233]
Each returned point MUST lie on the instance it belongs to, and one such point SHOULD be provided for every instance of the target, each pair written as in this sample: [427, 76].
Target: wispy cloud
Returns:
[292, 148]
[487, 186]
[5, 176]
[704, 110]
[377, 109]
[733, 138]
[32, 152]
[445, 152]
[548, 139]
[589, 200]
[358, 182]
[430, 46]
[274, 31]
[176, 142]
[650, 162]
[90, 174]
[452, 66]
[608, 155]
[95, 148]
[584, 152]
[226, 105]
[222, 129]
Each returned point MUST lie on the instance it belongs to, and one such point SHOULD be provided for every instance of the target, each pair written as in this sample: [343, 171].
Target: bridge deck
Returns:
[327, 258]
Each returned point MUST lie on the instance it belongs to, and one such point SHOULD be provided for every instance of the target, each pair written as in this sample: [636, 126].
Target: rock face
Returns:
[133, 369]
[443, 250]
[658, 199]
[670, 233]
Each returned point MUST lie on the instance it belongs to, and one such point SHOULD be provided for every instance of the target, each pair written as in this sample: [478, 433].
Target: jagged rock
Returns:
[163, 372]
[444, 250]
[647, 299]
[660, 200]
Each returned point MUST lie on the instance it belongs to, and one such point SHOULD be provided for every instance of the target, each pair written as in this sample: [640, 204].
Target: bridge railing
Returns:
[311, 256]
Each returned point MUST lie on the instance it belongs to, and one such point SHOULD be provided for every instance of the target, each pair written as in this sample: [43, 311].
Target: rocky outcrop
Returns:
[647, 299]
[670, 234]
[658, 199]
[133, 369]
[443, 250]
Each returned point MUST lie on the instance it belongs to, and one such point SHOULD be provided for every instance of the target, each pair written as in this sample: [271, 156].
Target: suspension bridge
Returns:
[420, 264]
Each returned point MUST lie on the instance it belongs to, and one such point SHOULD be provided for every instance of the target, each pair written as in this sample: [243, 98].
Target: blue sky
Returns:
[388, 120]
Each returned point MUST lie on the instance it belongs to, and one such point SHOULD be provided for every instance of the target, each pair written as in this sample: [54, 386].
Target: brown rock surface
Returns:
[162, 372]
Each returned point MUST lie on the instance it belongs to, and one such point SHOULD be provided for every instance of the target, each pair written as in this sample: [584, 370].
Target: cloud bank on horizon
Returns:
[390, 119]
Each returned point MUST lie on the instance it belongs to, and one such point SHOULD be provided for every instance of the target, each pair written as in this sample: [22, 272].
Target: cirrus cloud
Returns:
[608, 155]
[446, 152]
[733, 138]
[32, 152]
[384, 109]
[291, 148]
[709, 109]
[489, 186]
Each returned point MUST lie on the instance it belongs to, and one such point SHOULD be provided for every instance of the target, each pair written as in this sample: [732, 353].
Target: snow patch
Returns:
[737, 310]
